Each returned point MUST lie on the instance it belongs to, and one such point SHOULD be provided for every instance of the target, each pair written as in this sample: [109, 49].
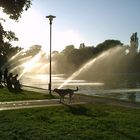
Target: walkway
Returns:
[31, 104]
[78, 99]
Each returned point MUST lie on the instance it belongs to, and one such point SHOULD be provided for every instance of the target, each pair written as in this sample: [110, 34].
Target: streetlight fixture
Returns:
[50, 17]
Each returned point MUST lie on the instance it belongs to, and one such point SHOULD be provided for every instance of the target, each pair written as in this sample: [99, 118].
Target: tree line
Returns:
[123, 61]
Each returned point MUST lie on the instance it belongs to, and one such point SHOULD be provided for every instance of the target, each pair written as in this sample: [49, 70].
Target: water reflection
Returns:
[123, 89]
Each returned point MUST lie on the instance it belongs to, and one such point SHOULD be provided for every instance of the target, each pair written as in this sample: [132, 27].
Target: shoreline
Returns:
[78, 98]
[105, 100]
[106, 94]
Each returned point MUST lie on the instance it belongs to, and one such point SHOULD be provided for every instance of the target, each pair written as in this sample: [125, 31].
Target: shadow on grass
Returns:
[88, 111]
[80, 110]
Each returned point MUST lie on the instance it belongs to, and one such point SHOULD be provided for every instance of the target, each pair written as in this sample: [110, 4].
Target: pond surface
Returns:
[123, 89]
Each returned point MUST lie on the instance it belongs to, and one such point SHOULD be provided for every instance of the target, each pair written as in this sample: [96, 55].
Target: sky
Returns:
[77, 21]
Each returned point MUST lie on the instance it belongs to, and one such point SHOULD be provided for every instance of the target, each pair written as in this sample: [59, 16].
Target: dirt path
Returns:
[78, 99]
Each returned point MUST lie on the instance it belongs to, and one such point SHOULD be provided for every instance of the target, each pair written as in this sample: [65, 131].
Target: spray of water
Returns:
[89, 64]
[29, 64]
[14, 57]
[25, 59]
[13, 69]
[24, 65]
[43, 67]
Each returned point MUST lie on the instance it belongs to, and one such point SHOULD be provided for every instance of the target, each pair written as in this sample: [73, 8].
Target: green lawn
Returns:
[6, 95]
[79, 122]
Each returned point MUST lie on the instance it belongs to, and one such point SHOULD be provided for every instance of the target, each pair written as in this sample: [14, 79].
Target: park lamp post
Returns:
[50, 17]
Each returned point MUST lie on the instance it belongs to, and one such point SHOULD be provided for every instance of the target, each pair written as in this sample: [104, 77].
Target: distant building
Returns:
[134, 43]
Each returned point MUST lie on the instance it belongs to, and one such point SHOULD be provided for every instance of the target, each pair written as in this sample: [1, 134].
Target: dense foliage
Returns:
[14, 9]
[119, 58]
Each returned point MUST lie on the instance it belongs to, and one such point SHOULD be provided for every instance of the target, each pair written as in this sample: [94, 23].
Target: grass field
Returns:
[79, 122]
[6, 95]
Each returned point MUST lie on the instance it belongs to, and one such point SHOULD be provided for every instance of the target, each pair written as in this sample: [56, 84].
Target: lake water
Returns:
[125, 90]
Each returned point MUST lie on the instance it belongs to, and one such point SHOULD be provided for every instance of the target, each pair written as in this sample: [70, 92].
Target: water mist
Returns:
[90, 63]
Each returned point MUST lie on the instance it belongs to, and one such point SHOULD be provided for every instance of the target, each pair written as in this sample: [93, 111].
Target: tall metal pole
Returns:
[50, 79]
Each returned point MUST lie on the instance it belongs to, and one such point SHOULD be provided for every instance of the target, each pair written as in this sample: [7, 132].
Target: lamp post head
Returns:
[50, 17]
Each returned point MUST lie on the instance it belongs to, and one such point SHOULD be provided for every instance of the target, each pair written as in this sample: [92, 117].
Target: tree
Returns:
[68, 49]
[14, 9]
[107, 44]
[33, 50]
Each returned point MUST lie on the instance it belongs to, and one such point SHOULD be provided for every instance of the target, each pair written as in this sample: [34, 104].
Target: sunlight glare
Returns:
[30, 64]
[33, 28]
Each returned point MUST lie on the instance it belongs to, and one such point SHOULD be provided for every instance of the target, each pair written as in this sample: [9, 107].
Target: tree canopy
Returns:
[107, 44]
[14, 8]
